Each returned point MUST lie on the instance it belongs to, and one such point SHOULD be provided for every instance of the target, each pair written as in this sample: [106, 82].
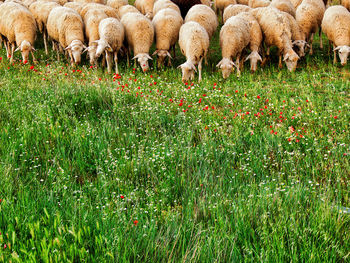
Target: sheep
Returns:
[243, 2]
[145, 7]
[77, 6]
[194, 45]
[185, 5]
[60, 2]
[41, 11]
[139, 34]
[258, 3]
[111, 33]
[296, 3]
[167, 23]
[284, 6]
[205, 16]
[255, 39]
[234, 37]
[117, 3]
[66, 27]
[110, 11]
[18, 25]
[335, 25]
[162, 4]
[276, 30]
[309, 16]
[297, 37]
[206, 2]
[346, 4]
[90, 1]
[127, 9]
[233, 10]
[92, 19]
[220, 5]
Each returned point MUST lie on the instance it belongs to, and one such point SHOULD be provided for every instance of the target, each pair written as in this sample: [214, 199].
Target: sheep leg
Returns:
[71, 57]
[237, 66]
[320, 35]
[280, 65]
[311, 39]
[0, 41]
[57, 52]
[34, 59]
[7, 49]
[169, 61]
[45, 42]
[200, 70]
[116, 62]
[12, 50]
[335, 55]
[174, 54]
[109, 61]
[53, 46]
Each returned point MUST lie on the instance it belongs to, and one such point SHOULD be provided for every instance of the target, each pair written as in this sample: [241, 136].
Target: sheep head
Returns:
[291, 59]
[102, 45]
[143, 58]
[92, 52]
[301, 44]
[162, 54]
[75, 49]
[25, 48]
[188, 70]
[227, 66]
[254, 57]
[343, 52]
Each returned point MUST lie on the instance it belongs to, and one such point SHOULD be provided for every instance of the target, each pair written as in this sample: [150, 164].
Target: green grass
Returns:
[255, 169]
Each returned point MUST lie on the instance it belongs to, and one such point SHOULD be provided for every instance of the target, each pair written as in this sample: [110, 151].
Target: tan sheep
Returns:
[145, 7]
[110, 11]
[296, 3]
[66, 27]
[243, 2]
[335, 25]
[309, 16]
[234, 37]
[139, 33]
[117, 3]
[284, 6]
[346, 4]
[233, 10]
[77, 6]
[18, 25]
[127, 9]
[111, 33]
[167, 23]
[276, 30]
[205, 16]
[194, 45]
[41, 11]
[162, 4]
[259, 3]
[220, 5]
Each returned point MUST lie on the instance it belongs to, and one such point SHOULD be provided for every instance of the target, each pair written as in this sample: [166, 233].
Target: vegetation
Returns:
[141, 167]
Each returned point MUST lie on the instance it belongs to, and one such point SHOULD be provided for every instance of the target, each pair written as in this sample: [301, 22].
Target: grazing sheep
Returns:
[162, 4]
[258, 3]
[41, 11]
[139, 34]
[66, 27]
[92, 19]
[145, 7]
[220, 5]
[255, 39]
[194, 44]
[234, 37]
[276, 30]
[185, 5]
[284, 6]
[18, 25]
[297, 37]
[309, 16]
[335, 25]
[110, 11]
[111, 33]
[346, 4]
[167, 23]
[205, 16]
[127, 9]
[117, 3]
[77, 6]
[233, 10]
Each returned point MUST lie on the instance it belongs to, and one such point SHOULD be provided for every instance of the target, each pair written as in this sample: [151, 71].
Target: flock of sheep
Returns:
[250, 28]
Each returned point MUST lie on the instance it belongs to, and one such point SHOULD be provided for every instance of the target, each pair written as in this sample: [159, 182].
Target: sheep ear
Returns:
[259, 57]
[248, 57]
[337, 48]
[286, 57]
[149, 57]
[168, 54]
[17, 49]
[179, 66]
[86, 49]
[155, 53]
[33, 49]
[194, 68]
[137, 56]
[109, 48]
[69, 47]
[219, 64]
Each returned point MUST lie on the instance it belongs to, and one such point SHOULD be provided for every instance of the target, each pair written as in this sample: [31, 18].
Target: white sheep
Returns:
[139, 33]
[167, 23]
[194, 45]
[18, 25]
[162, 4]
[205, 16]
[233, 10]
[77, 6]
[346, 4]
[309, 16]
[234, 37]
[145, 7]
[111, 33]
[243, 2]
[276, 30]
[284, 6]
[41, 11]
[258, 3]
[297, 37]
[127, 9]
[335, 25]
[109, 11]
[66, 27]
[256, 38]
[117, 3]
[220, 5]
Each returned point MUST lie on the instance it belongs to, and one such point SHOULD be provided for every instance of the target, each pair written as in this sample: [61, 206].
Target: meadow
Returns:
[140, 167]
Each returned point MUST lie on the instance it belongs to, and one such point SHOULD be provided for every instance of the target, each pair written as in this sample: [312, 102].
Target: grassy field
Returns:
[141, 167]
